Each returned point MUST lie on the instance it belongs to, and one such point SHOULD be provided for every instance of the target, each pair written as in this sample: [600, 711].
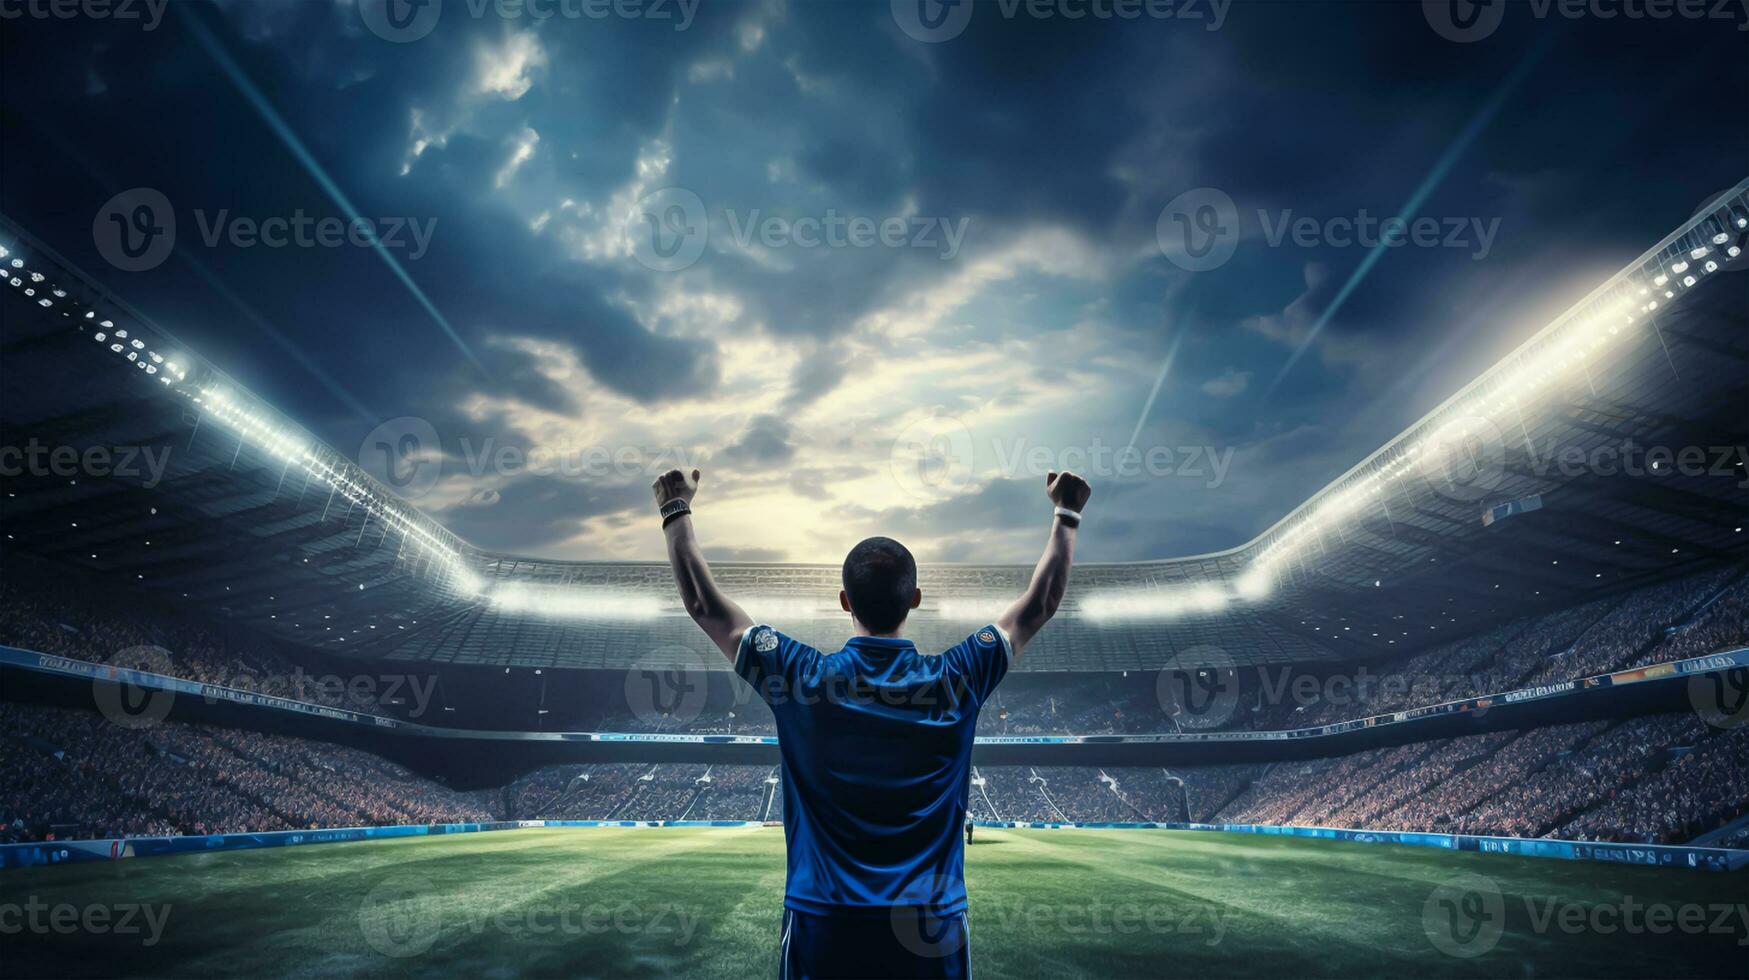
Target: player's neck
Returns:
[857, 629]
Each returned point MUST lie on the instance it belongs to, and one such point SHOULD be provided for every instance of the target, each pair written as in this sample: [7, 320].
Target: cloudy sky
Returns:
[870, 276]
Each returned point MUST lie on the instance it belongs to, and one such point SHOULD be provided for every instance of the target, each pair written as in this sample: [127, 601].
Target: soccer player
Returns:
[876, 742]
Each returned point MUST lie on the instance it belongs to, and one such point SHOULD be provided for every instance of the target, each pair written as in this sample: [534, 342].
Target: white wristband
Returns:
[1073, 517]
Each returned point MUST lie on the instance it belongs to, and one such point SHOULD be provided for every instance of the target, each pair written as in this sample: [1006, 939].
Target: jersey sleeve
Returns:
[771, 661]
[982, 660]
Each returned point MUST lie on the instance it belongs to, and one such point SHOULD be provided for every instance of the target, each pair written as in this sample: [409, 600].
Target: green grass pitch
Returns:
[706, 903]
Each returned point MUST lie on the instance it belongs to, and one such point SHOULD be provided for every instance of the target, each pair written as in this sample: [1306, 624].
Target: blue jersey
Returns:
[877, 759]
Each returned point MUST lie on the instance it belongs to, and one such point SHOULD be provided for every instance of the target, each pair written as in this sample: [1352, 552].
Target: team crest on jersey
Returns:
[987, 636]
[765, 641]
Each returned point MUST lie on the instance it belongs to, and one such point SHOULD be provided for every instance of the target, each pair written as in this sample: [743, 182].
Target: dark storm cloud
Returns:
[766, 440]
[970, 526]
[536, 511]
[815, 377]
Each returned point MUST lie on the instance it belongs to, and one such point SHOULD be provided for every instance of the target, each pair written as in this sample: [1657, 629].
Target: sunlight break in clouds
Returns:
[506, 71]
[523, 149]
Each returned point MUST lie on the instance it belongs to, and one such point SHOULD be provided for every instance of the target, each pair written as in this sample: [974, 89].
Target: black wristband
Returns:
[673, 510]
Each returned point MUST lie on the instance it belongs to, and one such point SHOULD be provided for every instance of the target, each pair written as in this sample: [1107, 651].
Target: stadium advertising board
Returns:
[1696, 858]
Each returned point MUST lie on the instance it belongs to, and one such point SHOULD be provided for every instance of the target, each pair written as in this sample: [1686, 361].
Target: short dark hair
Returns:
[879, 577]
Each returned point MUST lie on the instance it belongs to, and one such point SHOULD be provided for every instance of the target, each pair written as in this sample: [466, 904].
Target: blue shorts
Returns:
[907, 943]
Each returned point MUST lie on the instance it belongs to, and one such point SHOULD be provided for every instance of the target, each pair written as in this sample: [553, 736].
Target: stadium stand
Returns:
[70, 773]
[50, 611]
[1659, 778]
[1653, 779]
[55, 612]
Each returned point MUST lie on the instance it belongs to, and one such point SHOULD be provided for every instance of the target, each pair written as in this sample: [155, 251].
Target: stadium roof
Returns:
[1608, 450]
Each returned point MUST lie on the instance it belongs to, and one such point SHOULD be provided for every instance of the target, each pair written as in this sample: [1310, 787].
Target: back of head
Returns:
[880, 577]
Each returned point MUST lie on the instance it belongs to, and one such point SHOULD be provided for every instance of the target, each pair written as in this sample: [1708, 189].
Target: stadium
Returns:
[1476, 706]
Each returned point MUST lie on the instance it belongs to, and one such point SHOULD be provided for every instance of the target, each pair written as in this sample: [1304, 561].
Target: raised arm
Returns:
[715, 613]
[1039, 602]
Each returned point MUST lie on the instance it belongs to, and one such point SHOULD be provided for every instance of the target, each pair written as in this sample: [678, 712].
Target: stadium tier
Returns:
[1661, 779]
[68, 614]
[1644, 774]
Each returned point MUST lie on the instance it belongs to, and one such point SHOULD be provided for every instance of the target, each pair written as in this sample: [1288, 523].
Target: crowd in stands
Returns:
[1662, 778]
[642, 791]
[728, 792]
[1693, 615]
[1720, 626]
[64, 616]
[67, 772]
[1651, 779]
[1636, 624]
[1701, 789]
[1686, 617]
[1654, 779]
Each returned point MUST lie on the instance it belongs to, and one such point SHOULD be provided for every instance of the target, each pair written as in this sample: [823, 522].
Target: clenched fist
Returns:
[1067, 490]
[675, 485]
